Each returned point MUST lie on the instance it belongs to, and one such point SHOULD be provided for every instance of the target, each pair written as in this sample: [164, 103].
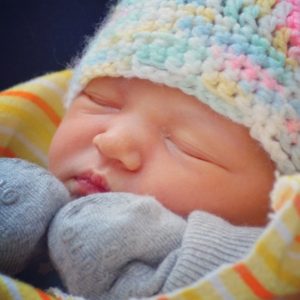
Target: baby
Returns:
[179, 113]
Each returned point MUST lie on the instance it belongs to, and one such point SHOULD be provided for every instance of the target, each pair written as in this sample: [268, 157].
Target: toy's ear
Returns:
[29, 115]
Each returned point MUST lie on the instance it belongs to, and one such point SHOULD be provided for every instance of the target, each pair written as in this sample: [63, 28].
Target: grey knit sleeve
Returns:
[208, 243]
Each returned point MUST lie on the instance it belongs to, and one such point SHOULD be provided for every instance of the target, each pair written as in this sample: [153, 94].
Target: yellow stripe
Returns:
[22, 151]
[291, 220]
[197, 292]
[5, 139]
[16, 117]
[11, 102]
[235, 285]
[28, 292]
[22, 95]
[50, 98]
[190, 294]
[61, 78]
[4, 292]
[274, 271]
[37, 130]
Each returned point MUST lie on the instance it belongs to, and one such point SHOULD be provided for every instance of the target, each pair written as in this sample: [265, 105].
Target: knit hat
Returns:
[240, 57]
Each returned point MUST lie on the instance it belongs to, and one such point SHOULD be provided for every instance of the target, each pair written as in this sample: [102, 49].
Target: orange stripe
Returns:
[297, 238]
[43, 295]
[6, 152]
[36, 100]
[162, 298]
[252, 282]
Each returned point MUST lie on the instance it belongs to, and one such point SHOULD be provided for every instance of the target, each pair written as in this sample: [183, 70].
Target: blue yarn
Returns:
[157, 53]
[202, 29]
[185, 23]
[270, 97]
[198, 2]
[223, 38]
[296, 105]
[247, 86]
[239, 39]
[249, 15]
[96, 58]
[232, 8]
[266, 96]
[278, 56]
[255, 50]
[143, 53]
[245, 30]
[239, 48]
[260, 42]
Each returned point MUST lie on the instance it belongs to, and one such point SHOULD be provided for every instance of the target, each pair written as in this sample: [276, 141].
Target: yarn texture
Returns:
[240, 57]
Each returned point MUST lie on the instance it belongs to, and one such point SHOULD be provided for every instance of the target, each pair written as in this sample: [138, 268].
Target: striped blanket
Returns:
[30, 114]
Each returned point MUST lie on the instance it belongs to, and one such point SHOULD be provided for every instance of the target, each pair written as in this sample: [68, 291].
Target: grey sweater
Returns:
[120, 245]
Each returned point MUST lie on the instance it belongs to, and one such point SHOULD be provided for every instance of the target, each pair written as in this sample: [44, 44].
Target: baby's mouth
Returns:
[86, 184]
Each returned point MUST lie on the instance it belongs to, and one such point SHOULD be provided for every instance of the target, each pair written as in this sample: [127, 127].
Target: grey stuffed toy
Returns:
[29, 198]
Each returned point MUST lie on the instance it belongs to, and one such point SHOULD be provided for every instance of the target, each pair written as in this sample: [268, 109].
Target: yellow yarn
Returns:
[281, 39]
[265, 6]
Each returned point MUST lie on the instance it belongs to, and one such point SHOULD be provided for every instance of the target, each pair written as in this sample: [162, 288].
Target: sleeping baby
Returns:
[179, 115]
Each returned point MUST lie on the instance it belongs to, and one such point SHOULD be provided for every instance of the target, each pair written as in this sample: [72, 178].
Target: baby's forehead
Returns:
[121, 88]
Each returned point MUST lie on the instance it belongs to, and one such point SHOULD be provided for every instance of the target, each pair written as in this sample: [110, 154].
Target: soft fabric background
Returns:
[41, 36]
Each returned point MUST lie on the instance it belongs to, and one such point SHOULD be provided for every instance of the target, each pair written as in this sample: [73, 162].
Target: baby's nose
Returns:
[120, 146]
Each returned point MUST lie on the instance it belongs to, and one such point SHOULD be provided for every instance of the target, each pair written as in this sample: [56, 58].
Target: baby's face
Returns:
[135, 136]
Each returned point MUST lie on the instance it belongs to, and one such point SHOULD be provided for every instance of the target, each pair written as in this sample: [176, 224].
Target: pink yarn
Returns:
[252, 72]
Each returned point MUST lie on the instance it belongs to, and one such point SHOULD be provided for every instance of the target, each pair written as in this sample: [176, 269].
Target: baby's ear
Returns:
[29, 115]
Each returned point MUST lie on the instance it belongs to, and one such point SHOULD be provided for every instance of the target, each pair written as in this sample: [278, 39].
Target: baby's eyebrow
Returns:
[113, 89]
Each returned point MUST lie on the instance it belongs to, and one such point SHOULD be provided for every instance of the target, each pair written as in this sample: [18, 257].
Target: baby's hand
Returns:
[29, 198]
[112, 244]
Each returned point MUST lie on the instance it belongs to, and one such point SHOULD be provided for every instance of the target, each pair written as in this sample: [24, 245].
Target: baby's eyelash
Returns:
[188, 149]
[174, 144]
[106, 104]
[97, 100]
[191, 150]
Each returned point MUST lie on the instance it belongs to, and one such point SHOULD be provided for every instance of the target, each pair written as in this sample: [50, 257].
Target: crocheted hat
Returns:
[240, 57]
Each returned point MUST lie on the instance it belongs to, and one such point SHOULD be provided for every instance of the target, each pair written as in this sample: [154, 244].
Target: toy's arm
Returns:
[29, 198]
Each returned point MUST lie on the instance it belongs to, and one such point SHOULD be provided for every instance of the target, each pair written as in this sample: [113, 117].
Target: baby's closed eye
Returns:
[101, 104]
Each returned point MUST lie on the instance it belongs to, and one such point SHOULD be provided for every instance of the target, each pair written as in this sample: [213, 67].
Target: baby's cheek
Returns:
[58, 152]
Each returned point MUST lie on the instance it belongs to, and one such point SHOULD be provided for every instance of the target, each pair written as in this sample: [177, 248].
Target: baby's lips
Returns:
[86, 184]
[99, 181]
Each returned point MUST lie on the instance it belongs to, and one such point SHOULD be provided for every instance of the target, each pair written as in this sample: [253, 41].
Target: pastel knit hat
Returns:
[240, 57]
